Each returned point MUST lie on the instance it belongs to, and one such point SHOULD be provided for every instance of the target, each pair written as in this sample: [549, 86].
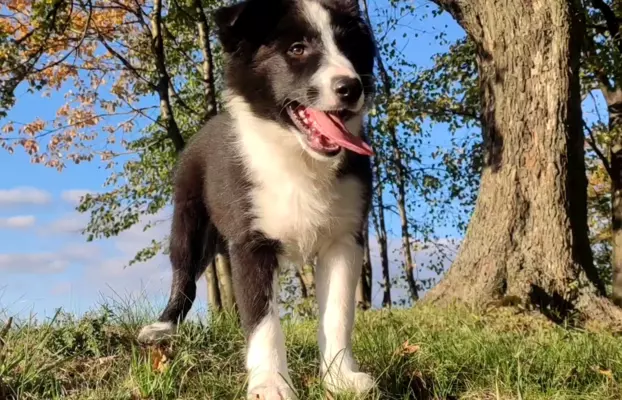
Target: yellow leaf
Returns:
[407, 348]
[159, 360]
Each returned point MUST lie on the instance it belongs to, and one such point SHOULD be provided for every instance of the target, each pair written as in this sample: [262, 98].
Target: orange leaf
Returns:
[408, 348]
[159, 360]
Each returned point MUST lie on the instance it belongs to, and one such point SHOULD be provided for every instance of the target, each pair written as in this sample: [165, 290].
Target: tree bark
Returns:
[213, 291]
[363, 288]
[614, 106]
[308, 276]
[211, 107]
[223, 269]
[528, 237]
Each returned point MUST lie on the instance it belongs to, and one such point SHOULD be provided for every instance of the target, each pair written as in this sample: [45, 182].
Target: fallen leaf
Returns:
[407, 348]
[105, 360]
[159, 360]
[605, 372]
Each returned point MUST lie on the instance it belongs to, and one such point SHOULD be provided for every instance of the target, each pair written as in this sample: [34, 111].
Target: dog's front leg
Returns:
[339, 266]
[255, 272]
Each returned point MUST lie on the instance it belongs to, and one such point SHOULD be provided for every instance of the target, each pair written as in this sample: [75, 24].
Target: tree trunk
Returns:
[528, 237]
[363, 288]
[208, 60]
[377, 213]
[164, 80]
[223, 270]
[614, 105]
[306, 277]
[213, 291]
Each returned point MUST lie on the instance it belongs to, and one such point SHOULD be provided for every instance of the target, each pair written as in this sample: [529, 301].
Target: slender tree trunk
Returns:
[377, 212]
[614, 103]
[363, 288]
[400, 171]
[409, 263]
[164, 80]
[528, 236]
[213, 291]
[211, 107]
[308, 277]
[223, 269]
[304, 293]
[399, 168]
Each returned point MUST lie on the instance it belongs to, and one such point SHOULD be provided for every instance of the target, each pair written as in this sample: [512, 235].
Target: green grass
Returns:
[461, 355]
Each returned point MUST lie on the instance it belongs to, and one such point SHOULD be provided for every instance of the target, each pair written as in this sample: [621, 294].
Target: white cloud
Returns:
[73, 223]
[47, 262]
[18, 222]
[24, 195]
[73, 196]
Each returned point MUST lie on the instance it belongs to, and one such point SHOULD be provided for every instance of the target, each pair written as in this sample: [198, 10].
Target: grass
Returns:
[422, 353]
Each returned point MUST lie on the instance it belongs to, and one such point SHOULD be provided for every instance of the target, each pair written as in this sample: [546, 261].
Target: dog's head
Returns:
[304, 63]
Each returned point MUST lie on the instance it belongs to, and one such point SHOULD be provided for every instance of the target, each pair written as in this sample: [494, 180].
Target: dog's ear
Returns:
[347, 6]
[225, 19]
[246, 24]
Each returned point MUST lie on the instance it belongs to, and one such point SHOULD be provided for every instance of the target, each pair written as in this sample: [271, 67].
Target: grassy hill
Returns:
[422, 353]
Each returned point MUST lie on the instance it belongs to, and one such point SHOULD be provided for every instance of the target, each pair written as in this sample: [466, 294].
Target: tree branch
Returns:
[592, 142]
[612, 21]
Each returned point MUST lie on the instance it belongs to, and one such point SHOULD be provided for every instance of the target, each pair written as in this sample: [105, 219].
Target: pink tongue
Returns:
[334, 129]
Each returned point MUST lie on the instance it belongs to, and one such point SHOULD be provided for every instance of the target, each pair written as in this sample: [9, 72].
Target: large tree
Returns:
[528, 237]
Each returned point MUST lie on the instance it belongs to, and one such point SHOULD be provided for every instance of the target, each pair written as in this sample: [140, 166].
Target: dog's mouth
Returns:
[325, 131]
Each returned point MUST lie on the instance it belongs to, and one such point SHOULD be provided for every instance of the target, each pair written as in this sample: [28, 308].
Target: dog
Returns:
[281, 175]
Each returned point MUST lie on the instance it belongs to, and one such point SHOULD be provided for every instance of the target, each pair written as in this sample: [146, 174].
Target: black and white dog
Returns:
[283, 175]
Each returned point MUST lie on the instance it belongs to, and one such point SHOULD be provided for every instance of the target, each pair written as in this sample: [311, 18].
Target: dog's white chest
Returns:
[294, 199]
[303, 211]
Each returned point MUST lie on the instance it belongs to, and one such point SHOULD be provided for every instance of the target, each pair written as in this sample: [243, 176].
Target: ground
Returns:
[421, 353]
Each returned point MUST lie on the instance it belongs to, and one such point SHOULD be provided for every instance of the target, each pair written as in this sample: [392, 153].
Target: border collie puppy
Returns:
[282, 175]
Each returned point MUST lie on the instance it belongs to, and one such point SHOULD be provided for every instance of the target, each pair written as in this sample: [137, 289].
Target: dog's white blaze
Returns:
[334, 63]
[265, 358]
[339, 266]
[296, 199]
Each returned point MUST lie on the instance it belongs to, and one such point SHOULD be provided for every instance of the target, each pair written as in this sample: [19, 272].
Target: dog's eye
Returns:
[297, 49]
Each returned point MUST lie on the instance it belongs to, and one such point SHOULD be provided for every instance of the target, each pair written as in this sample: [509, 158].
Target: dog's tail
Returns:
[193, 243]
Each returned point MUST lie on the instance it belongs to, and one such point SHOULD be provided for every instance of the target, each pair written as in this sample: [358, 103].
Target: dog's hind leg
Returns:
[193, 243]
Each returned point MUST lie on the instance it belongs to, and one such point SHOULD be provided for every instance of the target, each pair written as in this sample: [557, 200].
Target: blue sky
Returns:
[45, 262]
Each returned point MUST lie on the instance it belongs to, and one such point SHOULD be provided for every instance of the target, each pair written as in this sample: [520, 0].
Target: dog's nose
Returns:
[347, 89]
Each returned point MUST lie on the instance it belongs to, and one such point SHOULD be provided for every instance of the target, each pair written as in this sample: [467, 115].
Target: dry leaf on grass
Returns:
[407, 348]
[159, 359]
[606, 372]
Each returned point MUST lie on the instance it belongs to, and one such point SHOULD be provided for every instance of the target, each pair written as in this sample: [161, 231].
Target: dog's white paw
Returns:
[270, 388]
[156, 332]
[349, 381]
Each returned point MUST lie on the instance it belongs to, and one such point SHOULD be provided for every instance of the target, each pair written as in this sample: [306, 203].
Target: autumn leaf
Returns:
[406, 348]
[605, 372]
[159, 359]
